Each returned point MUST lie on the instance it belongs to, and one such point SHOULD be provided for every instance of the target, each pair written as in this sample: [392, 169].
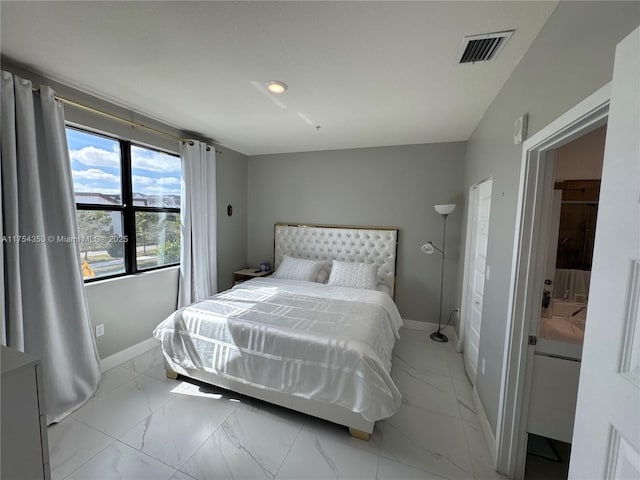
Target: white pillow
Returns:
[354, 275]
[297, 269]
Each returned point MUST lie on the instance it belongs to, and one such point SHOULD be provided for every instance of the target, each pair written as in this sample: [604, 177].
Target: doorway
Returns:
[606, 441]
[528, 272]
[564, 305]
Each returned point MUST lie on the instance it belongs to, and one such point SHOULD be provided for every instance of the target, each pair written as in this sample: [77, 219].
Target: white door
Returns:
[480, 202]
[606, 439]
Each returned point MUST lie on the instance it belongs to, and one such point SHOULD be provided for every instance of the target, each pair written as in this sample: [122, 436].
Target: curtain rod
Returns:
[124, 120]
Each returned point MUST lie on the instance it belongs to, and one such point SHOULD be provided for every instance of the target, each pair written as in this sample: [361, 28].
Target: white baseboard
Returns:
[419, 325]
[453, 336]
[127, 354]
[490, 439]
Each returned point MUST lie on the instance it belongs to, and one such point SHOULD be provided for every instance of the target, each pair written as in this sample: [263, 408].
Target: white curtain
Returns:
[44, 304]
[198, 252]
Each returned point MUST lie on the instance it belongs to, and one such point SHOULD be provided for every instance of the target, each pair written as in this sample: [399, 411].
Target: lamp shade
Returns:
[445, 209]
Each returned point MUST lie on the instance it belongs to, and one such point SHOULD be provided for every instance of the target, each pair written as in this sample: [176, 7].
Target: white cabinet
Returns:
[23, 424]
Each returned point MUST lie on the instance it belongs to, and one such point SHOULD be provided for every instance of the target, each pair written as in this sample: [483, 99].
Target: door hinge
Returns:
[533, 340]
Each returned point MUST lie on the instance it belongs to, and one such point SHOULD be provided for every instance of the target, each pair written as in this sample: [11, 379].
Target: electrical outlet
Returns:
[483, 366]
[100, 330]
[487, 272]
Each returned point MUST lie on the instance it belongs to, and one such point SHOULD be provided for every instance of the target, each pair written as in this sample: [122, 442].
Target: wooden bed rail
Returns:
[359, 434]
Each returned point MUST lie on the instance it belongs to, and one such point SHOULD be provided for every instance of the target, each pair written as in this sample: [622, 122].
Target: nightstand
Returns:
[25, 448]
[245, 274]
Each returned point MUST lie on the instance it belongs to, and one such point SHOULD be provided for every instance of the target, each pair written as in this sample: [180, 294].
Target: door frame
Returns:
[525, 291]
[464, 304]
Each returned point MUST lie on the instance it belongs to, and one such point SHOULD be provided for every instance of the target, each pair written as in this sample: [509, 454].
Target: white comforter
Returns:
[331, 344]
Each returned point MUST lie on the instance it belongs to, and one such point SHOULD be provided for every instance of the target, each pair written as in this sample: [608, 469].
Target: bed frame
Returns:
[319, 242]
[377, 245]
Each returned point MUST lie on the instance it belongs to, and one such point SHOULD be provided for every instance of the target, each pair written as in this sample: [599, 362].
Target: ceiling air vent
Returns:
[482, 48]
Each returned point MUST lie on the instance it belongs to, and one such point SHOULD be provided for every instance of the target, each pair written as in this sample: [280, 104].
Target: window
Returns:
[128, 203]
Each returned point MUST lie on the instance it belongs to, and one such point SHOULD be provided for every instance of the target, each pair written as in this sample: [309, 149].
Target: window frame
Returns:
[127, 208]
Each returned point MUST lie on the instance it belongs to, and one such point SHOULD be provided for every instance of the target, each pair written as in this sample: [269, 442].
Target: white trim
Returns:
[489, 438]
[453, 337]
[419, 325]
[127, 354]
[565, 123]
[535, 179]
[631, 324]
[462, 324]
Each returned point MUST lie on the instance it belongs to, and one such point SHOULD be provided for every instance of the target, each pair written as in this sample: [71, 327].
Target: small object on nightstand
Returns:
[245, 274]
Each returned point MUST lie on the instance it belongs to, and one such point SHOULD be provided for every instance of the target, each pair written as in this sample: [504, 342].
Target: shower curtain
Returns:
[44, 307]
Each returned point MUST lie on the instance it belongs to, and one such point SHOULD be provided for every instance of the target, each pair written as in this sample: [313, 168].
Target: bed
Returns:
[309, 338]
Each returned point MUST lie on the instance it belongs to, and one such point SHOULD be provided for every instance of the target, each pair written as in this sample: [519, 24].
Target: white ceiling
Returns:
[369, 73]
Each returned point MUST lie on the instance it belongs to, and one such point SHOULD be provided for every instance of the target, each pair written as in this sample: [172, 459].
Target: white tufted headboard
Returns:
[352, 244]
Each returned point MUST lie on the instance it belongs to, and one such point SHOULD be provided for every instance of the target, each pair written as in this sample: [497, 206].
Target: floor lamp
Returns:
[429, 248]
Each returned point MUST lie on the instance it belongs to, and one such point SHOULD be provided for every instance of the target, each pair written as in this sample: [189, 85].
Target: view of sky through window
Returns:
[95, 163]
[156, 177]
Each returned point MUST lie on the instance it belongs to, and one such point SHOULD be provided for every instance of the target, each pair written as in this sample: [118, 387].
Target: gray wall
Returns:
[570, 59]
[231, 184]
[384, 186]
[131, 307]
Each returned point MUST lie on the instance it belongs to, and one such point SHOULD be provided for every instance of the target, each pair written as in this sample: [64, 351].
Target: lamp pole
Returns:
[438, 336]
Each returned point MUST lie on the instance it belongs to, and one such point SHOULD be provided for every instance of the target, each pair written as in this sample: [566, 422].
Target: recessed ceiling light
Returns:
[276, 86]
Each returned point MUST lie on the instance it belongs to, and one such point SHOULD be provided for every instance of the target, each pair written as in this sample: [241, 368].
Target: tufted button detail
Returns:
[354, 245]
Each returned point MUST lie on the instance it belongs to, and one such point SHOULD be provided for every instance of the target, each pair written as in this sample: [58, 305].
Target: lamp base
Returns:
[438, 337]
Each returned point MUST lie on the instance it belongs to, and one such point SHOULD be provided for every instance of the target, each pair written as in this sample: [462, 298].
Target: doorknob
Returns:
[548, 282]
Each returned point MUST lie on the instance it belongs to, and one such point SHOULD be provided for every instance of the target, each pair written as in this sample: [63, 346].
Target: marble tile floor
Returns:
[141, 425]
